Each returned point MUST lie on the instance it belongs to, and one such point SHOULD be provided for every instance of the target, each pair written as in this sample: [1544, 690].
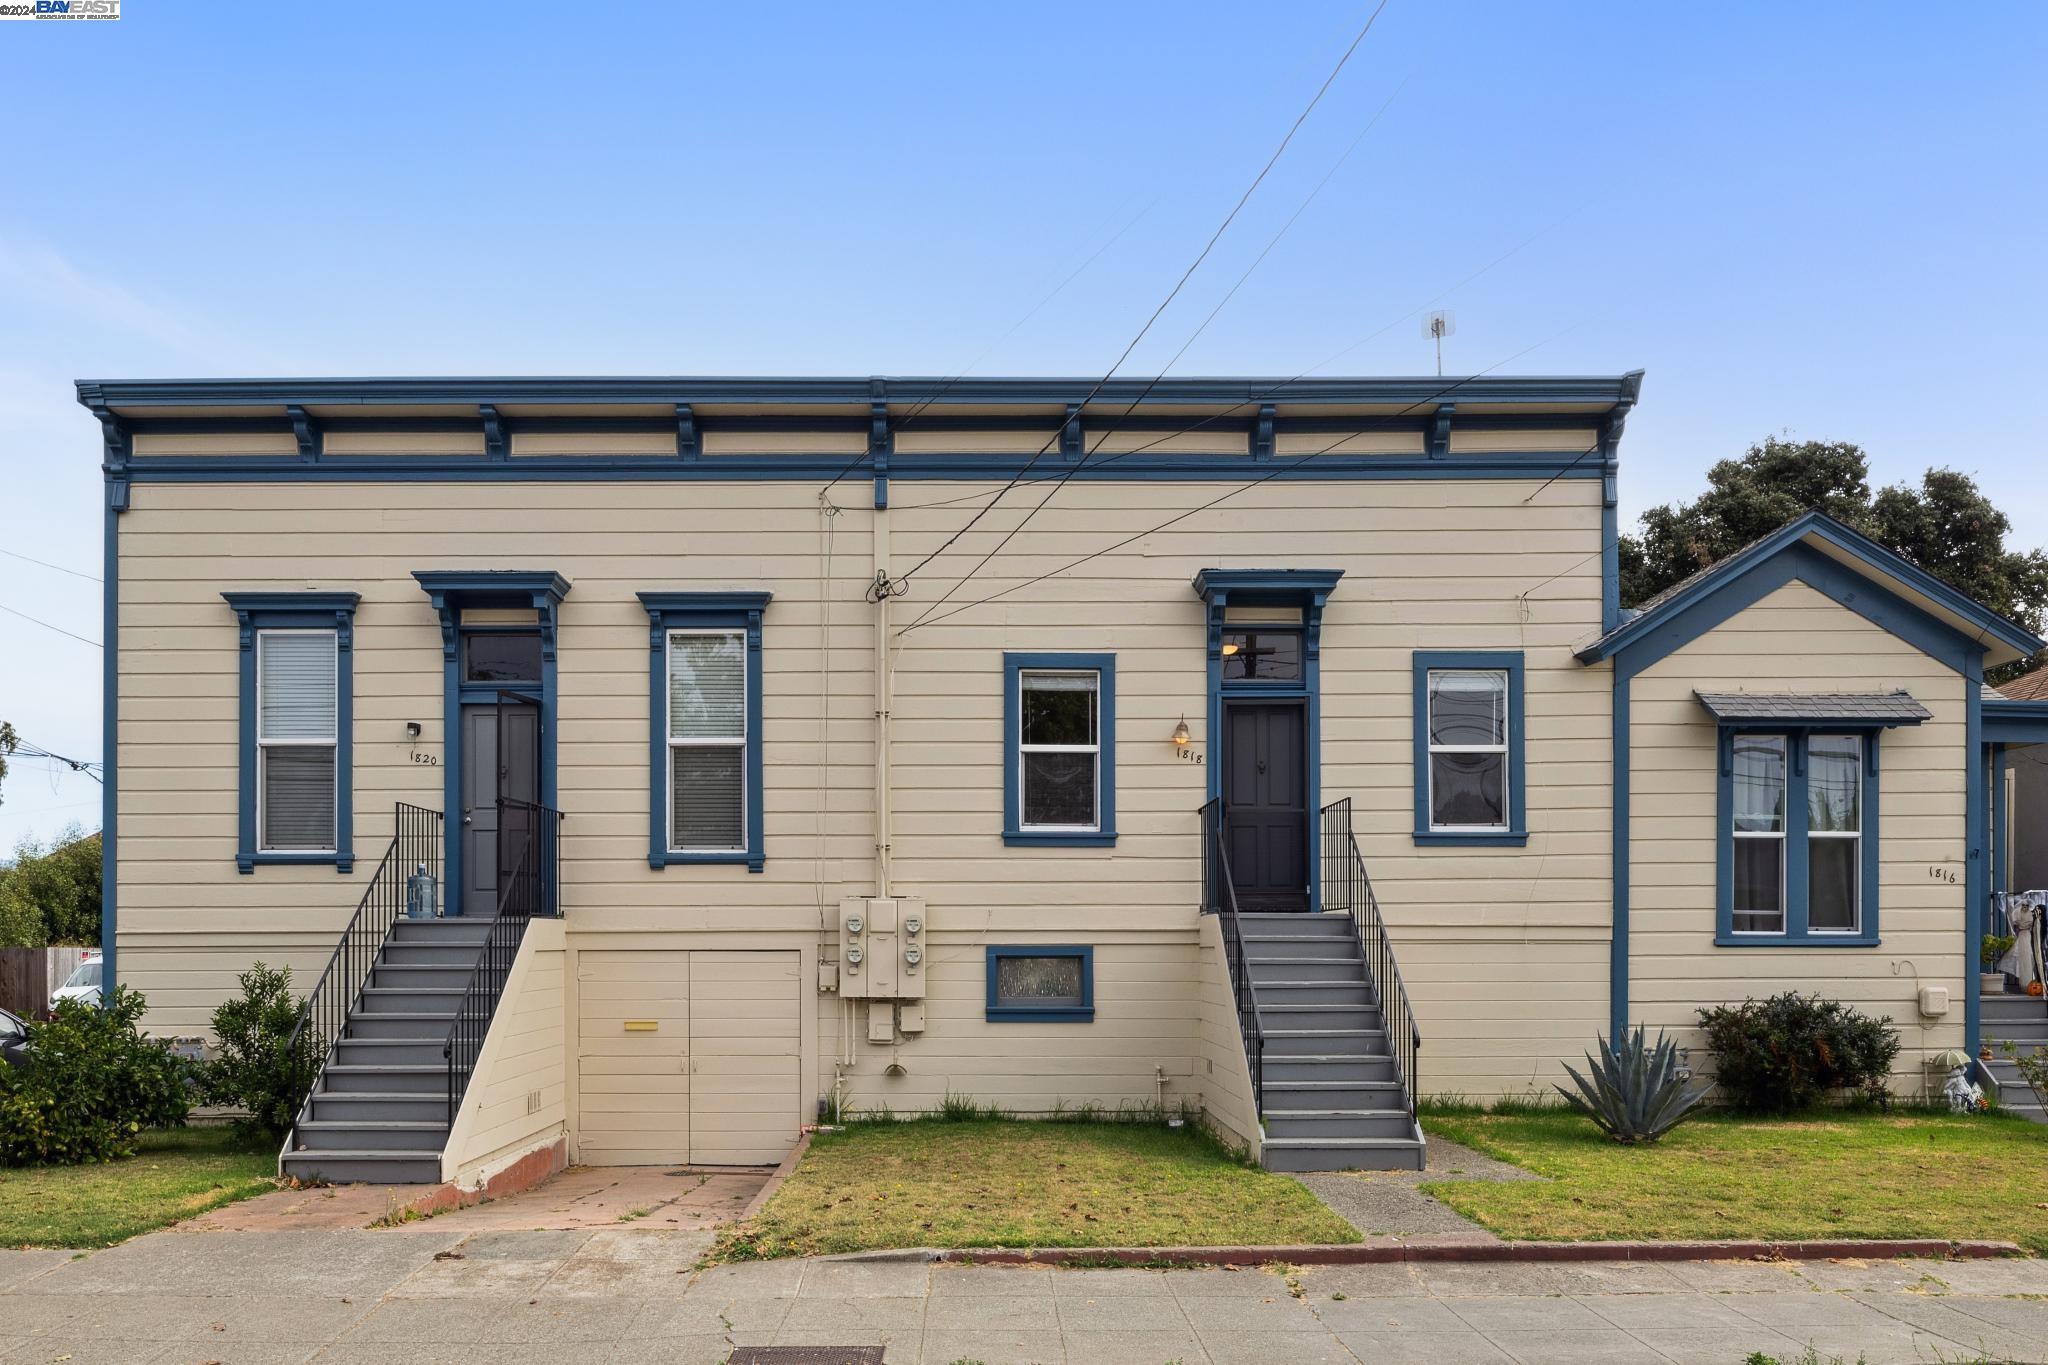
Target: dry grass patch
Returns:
[933, 1183]
[175, 1173]
[1718, 1176]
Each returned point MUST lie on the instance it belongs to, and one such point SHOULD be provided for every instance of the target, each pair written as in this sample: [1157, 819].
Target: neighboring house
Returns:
[2025, 865]
[756, 811]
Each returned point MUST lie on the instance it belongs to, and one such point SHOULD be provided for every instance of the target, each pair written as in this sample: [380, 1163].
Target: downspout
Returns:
[881, 591]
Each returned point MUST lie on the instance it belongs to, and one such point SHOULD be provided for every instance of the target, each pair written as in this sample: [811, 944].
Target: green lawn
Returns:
[987, 1183]
[176, 1173]
[1718, 1176]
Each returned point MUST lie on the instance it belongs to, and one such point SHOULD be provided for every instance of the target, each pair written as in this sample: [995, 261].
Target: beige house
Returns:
[637, 770]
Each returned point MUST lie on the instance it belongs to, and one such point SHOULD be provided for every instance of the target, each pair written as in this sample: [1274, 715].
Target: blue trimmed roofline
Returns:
[1818, 525]
[1600, 391]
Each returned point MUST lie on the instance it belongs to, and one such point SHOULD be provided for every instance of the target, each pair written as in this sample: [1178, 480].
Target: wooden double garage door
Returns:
[688, 1056]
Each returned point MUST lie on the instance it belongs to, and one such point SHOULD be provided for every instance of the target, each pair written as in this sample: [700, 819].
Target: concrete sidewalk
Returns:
[425, 1293]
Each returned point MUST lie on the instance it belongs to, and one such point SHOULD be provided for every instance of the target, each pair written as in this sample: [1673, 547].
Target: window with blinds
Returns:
[296, 732]
[707, 741]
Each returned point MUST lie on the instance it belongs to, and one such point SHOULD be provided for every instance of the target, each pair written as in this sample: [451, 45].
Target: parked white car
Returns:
[83, 985]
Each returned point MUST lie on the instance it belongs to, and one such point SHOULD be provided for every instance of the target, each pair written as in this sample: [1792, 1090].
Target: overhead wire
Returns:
[1294, 464]
[1061, 480]
[32, 620]
[31, 559]
[901, 583]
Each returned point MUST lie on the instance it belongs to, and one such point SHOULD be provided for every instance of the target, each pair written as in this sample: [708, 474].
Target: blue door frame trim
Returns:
[1797, 933]
[668, 611]
[1746, 578]
[450, 591]
[999, 1013]
[256, 612]
[1014, 833]
[1308, 589]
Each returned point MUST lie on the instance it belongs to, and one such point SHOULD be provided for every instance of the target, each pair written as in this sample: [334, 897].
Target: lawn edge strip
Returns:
[1394, 1252]
[776, 1179]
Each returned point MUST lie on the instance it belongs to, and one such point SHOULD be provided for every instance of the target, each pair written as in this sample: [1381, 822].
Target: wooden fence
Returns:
[28, 975]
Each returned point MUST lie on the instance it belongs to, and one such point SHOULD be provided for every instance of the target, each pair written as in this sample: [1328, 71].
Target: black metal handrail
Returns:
[1219, 898]
[415, 846]
[529, 888]
[1347, 888]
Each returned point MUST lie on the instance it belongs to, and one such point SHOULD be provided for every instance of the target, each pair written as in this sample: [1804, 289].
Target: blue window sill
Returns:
[1513, 838]
[754, 861]
[1024, 838]
[1057, 1014]
[341, 862]
[1788, 941]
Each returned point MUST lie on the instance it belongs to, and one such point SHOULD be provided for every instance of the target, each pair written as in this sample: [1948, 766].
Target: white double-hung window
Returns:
[1760, 795]
[707, 740]
[1468, 749]
[297, 739]
[1059, 749]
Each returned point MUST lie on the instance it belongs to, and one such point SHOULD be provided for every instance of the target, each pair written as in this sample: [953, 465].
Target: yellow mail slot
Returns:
[643, 1025]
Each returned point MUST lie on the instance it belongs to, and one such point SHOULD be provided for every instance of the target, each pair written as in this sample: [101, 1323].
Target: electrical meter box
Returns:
[881, 948]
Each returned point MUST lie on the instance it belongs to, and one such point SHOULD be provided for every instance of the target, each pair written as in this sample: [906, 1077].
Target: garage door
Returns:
[687, 1057]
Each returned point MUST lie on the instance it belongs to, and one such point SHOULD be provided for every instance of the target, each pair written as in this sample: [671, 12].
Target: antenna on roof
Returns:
[1436, 325]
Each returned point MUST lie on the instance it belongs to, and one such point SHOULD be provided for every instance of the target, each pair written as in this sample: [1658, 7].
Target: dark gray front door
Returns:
[500, 757]
[1265, 803]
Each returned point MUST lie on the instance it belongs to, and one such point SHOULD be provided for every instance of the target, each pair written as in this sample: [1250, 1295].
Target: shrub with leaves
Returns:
[257, 1066]
[1791, 1051]
[91, 1084]
[1633, 1092]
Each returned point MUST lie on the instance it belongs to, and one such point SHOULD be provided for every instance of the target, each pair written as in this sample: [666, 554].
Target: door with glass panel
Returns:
[501, 763]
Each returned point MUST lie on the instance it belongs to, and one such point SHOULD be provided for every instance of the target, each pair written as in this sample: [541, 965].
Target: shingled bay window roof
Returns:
[1814, 708]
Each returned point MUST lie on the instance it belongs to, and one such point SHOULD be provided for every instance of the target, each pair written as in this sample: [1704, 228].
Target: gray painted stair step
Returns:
[1264, 969]
[430, 954]
[368, 1168]
[1323, 1067]
[379, 1106]
[1338, 1123]
[389, 1051]
[1352, 993]
[1282, 1095]
[1328, 1042]
[443, 977]
[384, 1135]
[417, 1079]
[1300, 1015]
[1343, 1154]
[409, 999]
[434, 1027]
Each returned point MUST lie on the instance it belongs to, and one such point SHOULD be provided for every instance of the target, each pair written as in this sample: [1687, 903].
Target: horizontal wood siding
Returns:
[523, 1057]
[1797, 639]
[1429, 564]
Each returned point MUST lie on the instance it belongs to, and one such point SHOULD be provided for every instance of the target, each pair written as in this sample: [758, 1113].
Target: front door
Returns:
[500, 758]
[1265, 803]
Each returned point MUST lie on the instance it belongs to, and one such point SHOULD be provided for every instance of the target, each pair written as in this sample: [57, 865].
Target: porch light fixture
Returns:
[1180, 734]
[1230, 647]
[412, 731]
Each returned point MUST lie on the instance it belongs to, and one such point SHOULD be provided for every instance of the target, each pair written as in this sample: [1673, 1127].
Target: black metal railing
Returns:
[1347, 889]
[415, 847]
[1219, 898]
[529, 888]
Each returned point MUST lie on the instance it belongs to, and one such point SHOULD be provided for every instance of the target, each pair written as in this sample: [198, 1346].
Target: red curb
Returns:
[1526, 1252]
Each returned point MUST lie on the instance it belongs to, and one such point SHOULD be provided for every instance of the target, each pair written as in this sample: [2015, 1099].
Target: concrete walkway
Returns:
[1389, 1204]
[429, 1293]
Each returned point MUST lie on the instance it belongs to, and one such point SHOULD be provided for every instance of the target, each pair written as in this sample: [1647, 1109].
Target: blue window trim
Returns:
[999, 1013]
[667, 611]
[335, 611]
[1796, 934]
[1516, 834]
[1014, 833]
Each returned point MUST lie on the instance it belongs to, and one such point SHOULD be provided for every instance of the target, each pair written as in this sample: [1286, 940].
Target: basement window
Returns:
[1039, 984]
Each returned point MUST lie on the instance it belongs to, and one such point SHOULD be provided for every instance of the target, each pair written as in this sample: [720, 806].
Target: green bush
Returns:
[256, 1065]
[91, 1084]
[1790, 1051]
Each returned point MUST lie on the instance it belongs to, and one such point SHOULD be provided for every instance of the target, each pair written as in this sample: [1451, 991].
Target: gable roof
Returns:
[2027, 687]
[1817, 534]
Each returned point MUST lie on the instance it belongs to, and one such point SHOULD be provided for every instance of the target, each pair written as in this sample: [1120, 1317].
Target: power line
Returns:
[1193, 336]
[11, 554]
[26, 749]
[47, 626]
[1225, 497]
[1172, 294]
[1279, 390]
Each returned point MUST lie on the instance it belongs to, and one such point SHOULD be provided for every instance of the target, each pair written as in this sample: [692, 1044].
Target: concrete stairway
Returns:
[1333, 1098]
[2021, 1020]
[379, 1112]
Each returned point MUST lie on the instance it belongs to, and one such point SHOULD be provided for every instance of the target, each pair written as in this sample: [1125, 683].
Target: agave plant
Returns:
[1635, 1092]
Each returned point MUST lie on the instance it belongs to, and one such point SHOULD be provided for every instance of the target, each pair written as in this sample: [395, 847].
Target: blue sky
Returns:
[1819, 219]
